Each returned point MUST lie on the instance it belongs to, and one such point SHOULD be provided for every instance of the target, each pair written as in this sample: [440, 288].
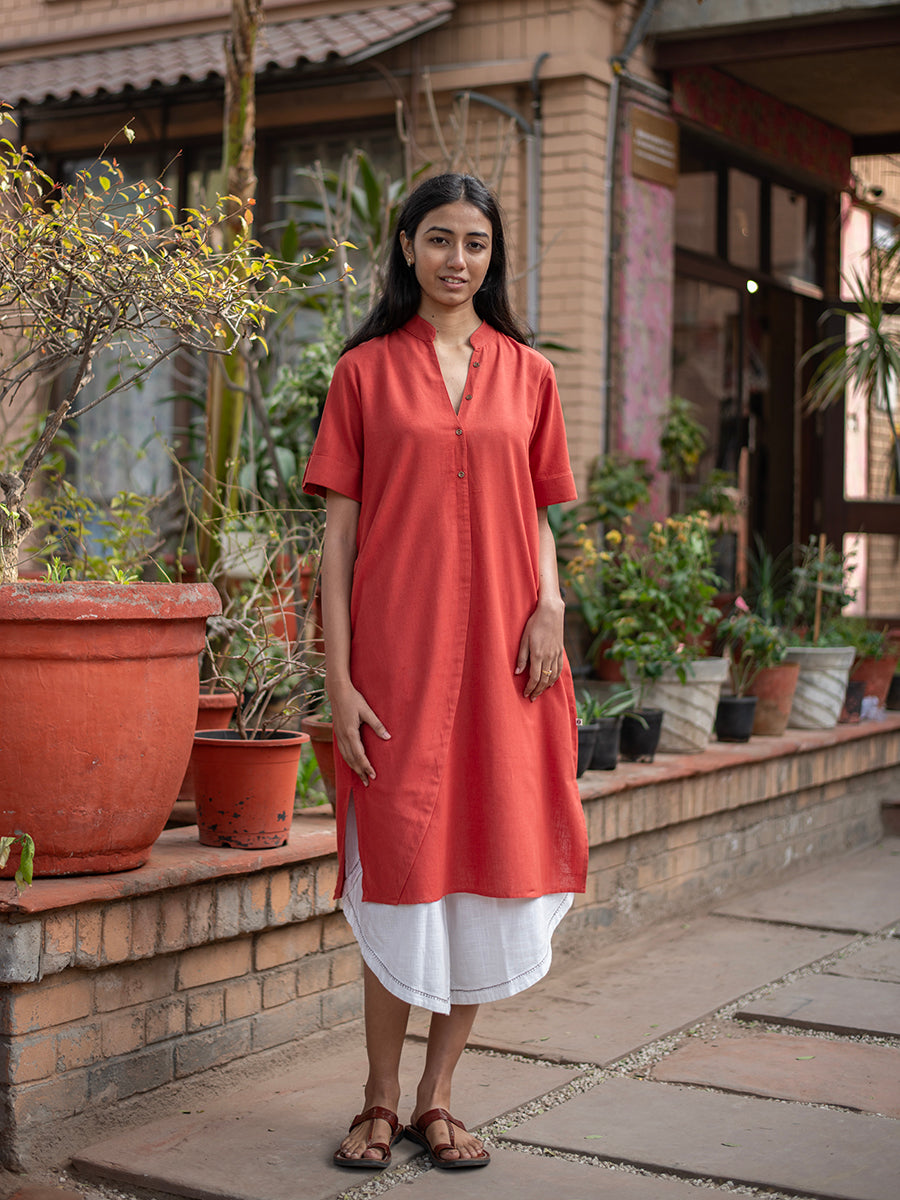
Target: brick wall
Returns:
[116, 991]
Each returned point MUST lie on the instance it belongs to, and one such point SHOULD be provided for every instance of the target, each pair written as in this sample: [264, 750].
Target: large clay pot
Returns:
[876, 674]
[245, 788]
[821, 685]
[689, 707]
[774, 689]
[99, 703]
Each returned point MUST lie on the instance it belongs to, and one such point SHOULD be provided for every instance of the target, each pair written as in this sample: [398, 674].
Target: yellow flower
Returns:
[613, 537]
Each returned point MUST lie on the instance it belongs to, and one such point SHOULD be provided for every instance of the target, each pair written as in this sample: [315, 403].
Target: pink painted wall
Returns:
[643, 349]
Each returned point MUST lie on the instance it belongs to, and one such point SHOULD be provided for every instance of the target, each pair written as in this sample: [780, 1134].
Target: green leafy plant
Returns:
[617, 486]
[682, 440]
[872, 362]
[818, 594]
[751, 644]
[662, 588]
[25, 870]
[591, 708]
[866, 641]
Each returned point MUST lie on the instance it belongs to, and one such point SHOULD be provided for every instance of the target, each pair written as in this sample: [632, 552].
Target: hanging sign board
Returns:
[654, 147]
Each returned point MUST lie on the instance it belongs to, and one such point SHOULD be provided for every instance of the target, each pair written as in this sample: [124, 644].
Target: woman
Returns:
[460, 829]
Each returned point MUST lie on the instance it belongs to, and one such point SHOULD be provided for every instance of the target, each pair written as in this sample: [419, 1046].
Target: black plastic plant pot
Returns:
[640, 734]
[606, 747]
[734, 718]
[893, 696]
[587, 738]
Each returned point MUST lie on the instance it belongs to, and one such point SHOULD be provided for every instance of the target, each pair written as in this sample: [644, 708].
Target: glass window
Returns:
[117, 443]
[743, 220]
[695, 208]
[793, 236]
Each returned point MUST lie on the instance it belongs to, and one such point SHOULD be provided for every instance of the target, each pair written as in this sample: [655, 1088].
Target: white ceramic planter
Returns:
[689, 708]
[821, 686]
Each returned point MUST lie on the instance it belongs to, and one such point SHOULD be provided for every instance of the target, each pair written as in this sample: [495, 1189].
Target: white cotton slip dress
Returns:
[461, 949]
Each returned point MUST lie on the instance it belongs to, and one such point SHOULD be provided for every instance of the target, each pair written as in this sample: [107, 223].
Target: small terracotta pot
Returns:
[876, 674]
[774, 689]
[214, 711]
[321, 734]
[245, 789]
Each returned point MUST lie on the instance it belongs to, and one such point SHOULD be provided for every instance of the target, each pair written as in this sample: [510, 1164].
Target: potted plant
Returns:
[319, 727]
[818, 594]
[664, 587]
[245, 778]
[99, 276]
[873, 663]
[755, 649]
[606, 715]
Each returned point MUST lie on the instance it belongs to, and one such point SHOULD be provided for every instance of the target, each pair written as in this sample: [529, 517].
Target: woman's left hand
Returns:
[541, 647]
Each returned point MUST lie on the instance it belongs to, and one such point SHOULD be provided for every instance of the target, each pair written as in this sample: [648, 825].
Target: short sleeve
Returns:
[337, 456]
[551, 473]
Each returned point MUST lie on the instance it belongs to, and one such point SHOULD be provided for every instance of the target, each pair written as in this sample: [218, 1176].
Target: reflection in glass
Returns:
[793, 236]
[743, 219]
[695, 210]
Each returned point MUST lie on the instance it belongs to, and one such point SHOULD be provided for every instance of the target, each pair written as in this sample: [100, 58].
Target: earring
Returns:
[409, 262]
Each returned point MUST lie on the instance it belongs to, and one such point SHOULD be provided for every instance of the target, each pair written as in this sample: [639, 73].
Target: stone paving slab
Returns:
[608, 1000]
[790, 1067]
[514, 1175]
[258, 1144]
[858, 894]
[813, 1151]
[831, 1002]
[879, 961]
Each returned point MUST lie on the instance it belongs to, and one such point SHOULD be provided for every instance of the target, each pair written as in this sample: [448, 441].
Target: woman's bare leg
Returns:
[446, 1041]
[386, 1020]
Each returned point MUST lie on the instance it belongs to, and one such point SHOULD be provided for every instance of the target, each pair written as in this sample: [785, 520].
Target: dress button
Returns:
[478, 364]
[461, 474]
[459, 433]
[469, 397]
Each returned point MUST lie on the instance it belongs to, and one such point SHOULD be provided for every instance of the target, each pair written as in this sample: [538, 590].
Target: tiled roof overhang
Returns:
[349, 38]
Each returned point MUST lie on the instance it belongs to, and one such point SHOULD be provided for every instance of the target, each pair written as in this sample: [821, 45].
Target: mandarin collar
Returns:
[426, 332]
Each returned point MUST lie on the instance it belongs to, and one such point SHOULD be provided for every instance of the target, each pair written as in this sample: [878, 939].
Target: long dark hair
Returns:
[400, 293]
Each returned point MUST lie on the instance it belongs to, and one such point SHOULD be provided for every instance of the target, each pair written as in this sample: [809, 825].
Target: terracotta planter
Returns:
[609, 669]
[245, 789]
[320, 734]
[689, 708]
[100, 699]
[876, 674]
[821, 685]
[774, 689]
[214, 711]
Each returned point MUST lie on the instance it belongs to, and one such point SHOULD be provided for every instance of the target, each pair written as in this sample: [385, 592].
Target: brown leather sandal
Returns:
[372, 1164]
[417, 1133]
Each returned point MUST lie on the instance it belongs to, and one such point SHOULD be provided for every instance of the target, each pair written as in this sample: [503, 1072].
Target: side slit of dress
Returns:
[461, 949]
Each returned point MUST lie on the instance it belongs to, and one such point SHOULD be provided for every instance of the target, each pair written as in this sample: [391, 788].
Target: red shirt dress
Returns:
[476, 790]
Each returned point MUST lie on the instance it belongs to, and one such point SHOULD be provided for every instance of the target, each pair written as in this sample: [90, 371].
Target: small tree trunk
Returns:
[225, 405]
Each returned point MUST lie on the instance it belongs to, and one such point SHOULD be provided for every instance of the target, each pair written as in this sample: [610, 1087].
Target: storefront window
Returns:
[695, 208]
[743, 220]
[793, 236]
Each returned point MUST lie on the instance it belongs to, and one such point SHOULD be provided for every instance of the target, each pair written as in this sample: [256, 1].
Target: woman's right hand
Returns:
[349, 712]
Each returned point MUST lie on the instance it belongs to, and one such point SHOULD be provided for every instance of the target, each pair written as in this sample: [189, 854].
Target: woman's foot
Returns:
[448, 1142]
[368, 1144]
